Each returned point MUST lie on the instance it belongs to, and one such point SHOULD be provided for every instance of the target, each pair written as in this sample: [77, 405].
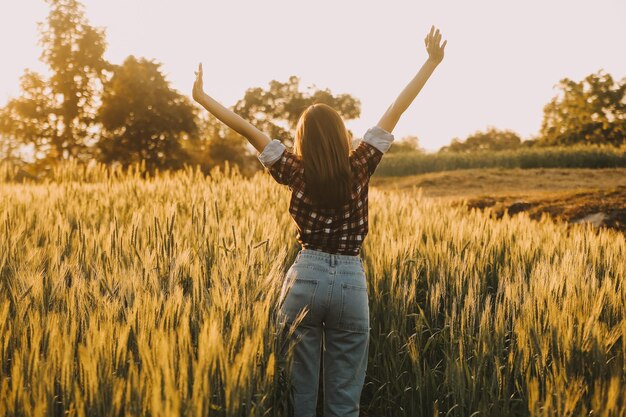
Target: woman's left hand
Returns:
[198, 91]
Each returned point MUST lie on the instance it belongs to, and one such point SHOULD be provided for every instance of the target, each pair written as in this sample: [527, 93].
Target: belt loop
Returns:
[332, 259]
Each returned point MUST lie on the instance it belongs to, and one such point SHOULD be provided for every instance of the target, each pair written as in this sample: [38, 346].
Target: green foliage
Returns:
[276, 111]
[580, 156]
[404, 145]
[29, 120]
[592, 111]
[74, 52]
[143, 118]
[490, 140]
[54, 117]
[231, 148]
[217, 145]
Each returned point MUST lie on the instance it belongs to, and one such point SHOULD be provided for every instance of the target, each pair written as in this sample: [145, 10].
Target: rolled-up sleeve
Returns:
[281, 163]
[378, 138]
[371, 149]
[271, 153]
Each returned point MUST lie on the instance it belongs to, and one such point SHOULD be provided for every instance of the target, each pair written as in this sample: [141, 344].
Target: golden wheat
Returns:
[130, 296]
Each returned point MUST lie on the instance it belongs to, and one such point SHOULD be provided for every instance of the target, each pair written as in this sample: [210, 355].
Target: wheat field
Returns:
[130, 296]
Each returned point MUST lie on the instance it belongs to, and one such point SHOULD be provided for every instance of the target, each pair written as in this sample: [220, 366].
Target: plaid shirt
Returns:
[337, 231]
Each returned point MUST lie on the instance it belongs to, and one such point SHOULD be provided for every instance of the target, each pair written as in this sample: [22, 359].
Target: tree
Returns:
[276, 111]
[406, 144]
[54, 117]
[28, 122]
[143, 118]
[232, 148]
[74, 52]
[590, 111]
[490, 140]
[215, 143]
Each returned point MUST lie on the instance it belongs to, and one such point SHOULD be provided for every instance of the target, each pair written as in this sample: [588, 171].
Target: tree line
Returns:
[92, 109]
[591, 111]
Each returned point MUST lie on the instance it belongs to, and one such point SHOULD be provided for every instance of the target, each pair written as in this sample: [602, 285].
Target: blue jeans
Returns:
[326, 294]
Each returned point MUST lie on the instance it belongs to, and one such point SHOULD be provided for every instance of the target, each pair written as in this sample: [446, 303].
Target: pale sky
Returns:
[502, 61]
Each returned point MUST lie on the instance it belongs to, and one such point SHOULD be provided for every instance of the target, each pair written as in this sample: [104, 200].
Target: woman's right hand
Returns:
[435, 51]
[198, 90]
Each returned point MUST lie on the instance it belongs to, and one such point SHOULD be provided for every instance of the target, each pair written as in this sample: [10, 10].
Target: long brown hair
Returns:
[324, 145]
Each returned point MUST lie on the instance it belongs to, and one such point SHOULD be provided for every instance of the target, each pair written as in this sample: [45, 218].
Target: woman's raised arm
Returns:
[406, 97]
[257, 138]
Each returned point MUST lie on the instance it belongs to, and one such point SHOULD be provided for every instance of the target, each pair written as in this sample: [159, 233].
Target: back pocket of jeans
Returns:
[354, 308]
[299, 295]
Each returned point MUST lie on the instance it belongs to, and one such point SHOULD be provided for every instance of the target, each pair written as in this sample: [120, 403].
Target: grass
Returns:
[475, 183]
[128, 296]
[586, 156]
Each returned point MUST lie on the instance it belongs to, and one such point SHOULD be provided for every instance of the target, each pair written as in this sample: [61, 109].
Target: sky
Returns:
[502, 60]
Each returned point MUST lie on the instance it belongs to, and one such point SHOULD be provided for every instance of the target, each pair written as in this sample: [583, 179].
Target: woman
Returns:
[324, 294]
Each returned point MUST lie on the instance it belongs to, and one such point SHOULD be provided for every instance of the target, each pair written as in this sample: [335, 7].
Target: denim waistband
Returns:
[330, 258]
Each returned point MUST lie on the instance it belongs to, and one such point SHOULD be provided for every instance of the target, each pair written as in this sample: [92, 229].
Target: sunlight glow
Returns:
[502, 58]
